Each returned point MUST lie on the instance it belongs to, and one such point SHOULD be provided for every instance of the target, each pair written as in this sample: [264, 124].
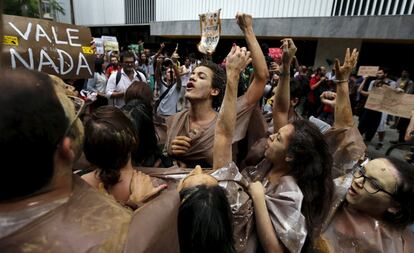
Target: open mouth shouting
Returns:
[190, 86]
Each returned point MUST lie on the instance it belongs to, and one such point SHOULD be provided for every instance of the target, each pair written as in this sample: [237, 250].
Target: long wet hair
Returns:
[311, 166]
[403, 195]
[110, 138]
[205, 221]
[138, 107]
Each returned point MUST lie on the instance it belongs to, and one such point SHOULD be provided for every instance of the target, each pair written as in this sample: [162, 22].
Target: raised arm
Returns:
[343, 109]
[223, 136]
[177, 76]
[281, 102]
[361, 88]
[410, 129]
[261, 73]
[162, 46]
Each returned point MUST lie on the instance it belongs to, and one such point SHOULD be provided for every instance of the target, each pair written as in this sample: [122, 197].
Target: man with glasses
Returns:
[119, 82]
[373, 208]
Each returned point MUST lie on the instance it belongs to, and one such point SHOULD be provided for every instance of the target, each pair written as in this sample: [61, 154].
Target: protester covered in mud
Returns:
[372, 210]
[191, 132]
[40, 143]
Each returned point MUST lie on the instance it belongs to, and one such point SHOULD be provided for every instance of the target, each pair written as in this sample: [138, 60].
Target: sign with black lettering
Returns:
[389, 100]
[210, 24]
[54, 48]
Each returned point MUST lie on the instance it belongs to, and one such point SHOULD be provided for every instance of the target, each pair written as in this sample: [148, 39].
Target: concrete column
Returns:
[329, 49]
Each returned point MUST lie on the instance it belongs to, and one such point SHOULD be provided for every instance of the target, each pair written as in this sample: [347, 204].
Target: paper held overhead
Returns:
[210, 25]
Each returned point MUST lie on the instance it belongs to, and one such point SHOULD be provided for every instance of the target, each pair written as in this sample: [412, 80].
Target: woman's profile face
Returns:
[277, 144]
[372, 185]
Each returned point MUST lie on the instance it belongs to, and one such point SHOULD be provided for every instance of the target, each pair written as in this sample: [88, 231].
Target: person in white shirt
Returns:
[98, 84]
[169, 86]
[119, 82]
[185, 73]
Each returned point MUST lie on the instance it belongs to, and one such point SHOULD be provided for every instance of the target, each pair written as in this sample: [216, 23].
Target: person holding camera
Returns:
[168, 83]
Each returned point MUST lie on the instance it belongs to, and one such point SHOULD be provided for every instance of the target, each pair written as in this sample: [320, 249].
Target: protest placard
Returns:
[110, 43]
[368, 70]
[276, 54]
[54, 48]
[99, 45]
[210, 25]
[388, 100]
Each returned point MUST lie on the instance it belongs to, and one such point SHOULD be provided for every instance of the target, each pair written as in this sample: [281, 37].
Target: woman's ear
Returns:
[214, 92]
[395, 208]
[288, 158]
[65, 150]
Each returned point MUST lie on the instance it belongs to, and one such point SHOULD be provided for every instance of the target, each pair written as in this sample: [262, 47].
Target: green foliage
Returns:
[29, 8]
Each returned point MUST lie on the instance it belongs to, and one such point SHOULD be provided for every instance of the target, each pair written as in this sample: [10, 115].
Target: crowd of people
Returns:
[250, 154]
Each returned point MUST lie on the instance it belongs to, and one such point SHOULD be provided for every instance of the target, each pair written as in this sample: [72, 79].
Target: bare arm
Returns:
[224, 131]
[316, 85]
[177, 77]
[343, 109]
[162, 45]
[261, 73]
[281, 102]
[361, 88]
[264, 227]
[410, 128]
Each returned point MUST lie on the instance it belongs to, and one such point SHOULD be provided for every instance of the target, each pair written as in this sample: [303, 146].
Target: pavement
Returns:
[390, 135]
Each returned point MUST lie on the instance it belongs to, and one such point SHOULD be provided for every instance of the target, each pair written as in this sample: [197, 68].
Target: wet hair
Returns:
[311, 166]
[295, 89]
[219, 80]
[98, 65]
[139, 90]
[127, 54]
[138, 107]
[32, 124]
[110, 138]
[205, 221]
[403, 195]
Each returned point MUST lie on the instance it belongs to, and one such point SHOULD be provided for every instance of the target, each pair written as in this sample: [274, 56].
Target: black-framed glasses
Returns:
[371, 185]
[79, 105]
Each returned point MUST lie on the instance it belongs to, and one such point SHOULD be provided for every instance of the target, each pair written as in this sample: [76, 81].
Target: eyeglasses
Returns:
[370, 184]
[79, 105]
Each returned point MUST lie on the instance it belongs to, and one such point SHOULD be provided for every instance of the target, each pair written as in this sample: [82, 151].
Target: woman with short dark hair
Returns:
[110, 138]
